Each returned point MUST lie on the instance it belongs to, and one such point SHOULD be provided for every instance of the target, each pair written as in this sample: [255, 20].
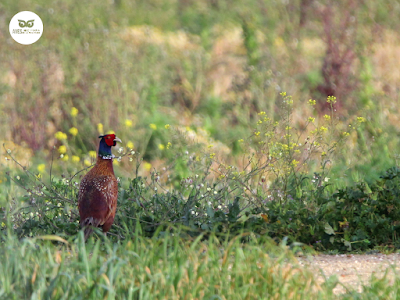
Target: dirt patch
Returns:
[352, 270]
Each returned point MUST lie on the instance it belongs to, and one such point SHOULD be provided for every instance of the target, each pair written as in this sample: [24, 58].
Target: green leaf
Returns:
[210, 211]
[51, 237]
[367, 189]
[234, 210]
[347, 244]
[328, 229]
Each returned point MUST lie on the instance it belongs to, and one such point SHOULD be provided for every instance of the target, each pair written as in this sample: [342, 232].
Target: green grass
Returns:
[169, 267]
[161, 268]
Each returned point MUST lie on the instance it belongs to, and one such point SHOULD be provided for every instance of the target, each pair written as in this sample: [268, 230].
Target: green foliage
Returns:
[250, 42]
[354, 218]
[272, 196]
[158, 268]
[135, 67]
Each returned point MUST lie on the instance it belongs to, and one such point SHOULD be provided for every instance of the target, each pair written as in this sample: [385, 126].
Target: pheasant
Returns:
[98, 191]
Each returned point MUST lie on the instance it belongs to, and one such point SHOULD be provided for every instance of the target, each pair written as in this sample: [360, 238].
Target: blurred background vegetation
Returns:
[151, 70]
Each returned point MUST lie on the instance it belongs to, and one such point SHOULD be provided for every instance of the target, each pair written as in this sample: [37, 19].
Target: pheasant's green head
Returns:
[107, 141]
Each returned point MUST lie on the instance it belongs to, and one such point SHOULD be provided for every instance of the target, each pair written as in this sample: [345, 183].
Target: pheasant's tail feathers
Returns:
[88, 225]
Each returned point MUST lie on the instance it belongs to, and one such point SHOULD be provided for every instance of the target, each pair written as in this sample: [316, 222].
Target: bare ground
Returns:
[352, 270]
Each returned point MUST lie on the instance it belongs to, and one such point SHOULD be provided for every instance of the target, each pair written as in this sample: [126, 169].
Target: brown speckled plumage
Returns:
[97, 198]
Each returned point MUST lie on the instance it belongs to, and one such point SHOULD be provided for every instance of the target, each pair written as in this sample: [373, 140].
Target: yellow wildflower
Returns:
[257, 133]
[110, 132]
[331, 99]
[169, 145]
[41, 168]
[128, 123]
[261, 113]
[312, 102]
[100, 128]
[212, 155]
[323, 153]
[130, 145]
[241, 141]
[92, 154]
[64, 157]
[327, 117]
[73, 131]
[62, 149]
[147, 166]
[153, 126]
[87, 163]
[74, 111]
[60, 136]
[75, 158]
[210, 146]
[361, 119]
[323, 129]
[3, 225]
[295, 163]
[166, 126]
[346, 133]
[161, 146]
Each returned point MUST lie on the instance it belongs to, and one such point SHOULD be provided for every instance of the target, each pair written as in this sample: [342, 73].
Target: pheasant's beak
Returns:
[117, 140]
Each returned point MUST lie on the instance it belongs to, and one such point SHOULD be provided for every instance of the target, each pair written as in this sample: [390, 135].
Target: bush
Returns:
[272, 195]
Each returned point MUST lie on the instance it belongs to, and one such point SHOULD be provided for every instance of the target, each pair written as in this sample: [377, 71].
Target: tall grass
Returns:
[166, 268]
[48, 267]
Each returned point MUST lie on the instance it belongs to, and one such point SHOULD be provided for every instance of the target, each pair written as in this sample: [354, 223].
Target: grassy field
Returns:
[152, 269]
[165, 268]
[276, 120]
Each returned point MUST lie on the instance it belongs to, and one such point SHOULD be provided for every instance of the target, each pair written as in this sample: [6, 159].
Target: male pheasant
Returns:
[98, 191]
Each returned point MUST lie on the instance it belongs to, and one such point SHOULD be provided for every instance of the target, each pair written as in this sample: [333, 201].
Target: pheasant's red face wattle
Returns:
[109, 138]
